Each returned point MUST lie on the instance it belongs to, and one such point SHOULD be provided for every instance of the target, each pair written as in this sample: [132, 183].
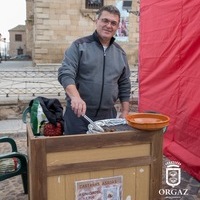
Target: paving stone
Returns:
[195, 182]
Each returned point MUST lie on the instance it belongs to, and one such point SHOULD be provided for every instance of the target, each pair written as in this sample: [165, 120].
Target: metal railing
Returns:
[37, 82]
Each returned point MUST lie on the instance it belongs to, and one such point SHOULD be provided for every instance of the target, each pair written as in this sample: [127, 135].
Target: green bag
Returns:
[37, 116]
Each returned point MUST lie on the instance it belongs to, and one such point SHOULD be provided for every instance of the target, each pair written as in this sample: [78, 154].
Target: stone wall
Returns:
[53, 25]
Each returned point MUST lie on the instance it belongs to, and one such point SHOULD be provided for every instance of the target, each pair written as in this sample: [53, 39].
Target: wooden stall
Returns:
[57, 164]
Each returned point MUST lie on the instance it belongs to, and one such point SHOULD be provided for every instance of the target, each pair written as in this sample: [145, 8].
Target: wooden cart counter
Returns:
[57, 163]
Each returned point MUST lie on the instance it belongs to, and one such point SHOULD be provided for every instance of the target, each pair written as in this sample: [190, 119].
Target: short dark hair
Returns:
[110, 8]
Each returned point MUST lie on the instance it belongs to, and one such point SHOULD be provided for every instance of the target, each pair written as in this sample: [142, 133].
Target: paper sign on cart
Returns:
[109, 188]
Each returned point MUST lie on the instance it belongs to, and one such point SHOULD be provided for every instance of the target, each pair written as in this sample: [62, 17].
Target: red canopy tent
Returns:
[169, 74]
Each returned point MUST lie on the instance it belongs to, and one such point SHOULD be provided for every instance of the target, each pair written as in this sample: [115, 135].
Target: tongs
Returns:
[96, 126]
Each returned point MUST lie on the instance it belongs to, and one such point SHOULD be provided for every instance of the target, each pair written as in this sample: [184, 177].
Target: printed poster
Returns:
[109, 188]
[122, 32]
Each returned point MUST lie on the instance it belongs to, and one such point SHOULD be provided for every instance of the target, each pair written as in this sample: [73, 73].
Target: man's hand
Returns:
[78, 106]
[123, 114]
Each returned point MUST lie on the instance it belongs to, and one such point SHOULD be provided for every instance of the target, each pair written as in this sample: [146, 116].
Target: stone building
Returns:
[51, 26]
[17, 43]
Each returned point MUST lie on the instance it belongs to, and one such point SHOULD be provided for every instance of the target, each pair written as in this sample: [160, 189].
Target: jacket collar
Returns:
[96, 38]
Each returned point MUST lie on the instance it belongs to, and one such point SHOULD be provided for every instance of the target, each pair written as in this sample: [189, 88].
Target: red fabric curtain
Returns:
[169, 74]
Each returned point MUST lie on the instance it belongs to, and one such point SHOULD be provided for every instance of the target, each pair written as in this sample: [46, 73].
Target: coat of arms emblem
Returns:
[173, 175]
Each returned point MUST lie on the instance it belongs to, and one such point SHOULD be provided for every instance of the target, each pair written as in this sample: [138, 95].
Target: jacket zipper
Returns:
[104, 58]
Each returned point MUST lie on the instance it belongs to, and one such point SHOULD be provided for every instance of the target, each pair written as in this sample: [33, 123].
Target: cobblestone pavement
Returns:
[188, 189]
[12, 189]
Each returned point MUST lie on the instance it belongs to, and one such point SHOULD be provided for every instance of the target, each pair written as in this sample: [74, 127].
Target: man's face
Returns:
[107, 25]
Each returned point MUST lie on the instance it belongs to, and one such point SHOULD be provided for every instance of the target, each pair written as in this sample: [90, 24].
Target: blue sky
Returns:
[12, 13]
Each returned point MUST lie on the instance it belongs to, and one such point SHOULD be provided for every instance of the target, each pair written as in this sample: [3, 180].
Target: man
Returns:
[94, 74]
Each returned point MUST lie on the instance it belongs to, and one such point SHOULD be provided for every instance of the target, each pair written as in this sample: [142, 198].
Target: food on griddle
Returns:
[109, 128]
[121, 127]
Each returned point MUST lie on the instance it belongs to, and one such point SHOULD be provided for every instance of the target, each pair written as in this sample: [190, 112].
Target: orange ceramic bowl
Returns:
[147, 121]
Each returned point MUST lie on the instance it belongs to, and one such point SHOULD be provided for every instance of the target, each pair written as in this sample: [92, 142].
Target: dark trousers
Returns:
[79, 125]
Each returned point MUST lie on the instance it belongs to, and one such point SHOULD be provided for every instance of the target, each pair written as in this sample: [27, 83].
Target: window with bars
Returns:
[18, 37]
[93, 4]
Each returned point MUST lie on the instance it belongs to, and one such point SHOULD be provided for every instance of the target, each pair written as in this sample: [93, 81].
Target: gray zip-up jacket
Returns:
[101, 77]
